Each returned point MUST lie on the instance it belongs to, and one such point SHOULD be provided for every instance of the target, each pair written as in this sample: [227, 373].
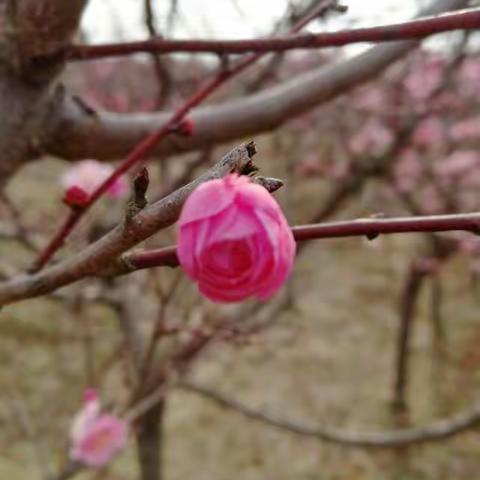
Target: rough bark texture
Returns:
[33, 34]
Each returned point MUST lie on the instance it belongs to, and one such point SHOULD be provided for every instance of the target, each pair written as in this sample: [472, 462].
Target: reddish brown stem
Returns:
[57, 241]
[468, 19]
[368, 227]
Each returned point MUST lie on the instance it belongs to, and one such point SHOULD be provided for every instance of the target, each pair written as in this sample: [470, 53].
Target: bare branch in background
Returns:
[164, 79]
[437, 431]
[416, 29]
[109, 136]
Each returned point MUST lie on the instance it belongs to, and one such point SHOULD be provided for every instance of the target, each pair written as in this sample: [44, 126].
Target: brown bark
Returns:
[33, 33]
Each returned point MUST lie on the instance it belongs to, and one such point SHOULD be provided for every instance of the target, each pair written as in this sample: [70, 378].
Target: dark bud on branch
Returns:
[269, 183]
[185, 128]
[140, 187]
[139, 200]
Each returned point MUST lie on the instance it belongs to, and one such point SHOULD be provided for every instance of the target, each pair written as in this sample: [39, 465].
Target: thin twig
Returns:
[370, 228]
[435, 432]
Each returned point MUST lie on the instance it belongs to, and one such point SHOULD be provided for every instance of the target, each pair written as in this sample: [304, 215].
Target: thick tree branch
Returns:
[109, 136]
[437, 431]
[33, 33]
[42, 29]
[468, 19]
[99, 255]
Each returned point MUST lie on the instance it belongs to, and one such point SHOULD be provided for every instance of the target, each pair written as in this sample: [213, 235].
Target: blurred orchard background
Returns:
[369, 334]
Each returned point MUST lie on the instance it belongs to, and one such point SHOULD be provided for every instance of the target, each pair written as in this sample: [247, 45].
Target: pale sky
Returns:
[106, 20]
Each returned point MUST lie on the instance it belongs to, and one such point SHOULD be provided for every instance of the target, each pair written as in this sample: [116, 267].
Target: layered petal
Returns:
[207, 200]
[234, 240]
[101, 442]
[95, 437]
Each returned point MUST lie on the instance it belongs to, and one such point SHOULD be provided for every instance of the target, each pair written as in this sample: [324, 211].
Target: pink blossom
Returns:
[371, 98]
[373, 138]
[468, 129]
[407, 170]
[429, 132]
[470, 70]
[234, 240]
[459, 163]
[310, 165]
[425, 77]
[96, 437]
[469, 76]
[431, 202]
[469, 245]
[89, 174]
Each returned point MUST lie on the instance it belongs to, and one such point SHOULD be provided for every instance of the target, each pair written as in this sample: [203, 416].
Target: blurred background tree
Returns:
[370, 335]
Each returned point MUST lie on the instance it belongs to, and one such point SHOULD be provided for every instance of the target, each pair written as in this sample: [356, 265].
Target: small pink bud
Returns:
[234, 240]
[90, 395]
[75, 197]
[185, 128]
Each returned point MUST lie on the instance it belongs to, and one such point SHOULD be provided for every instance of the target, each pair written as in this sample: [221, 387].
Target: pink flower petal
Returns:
[241, 246]
[208, 199]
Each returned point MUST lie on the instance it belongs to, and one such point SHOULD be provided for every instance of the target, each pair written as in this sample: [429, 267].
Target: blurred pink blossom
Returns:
[89, 174]
[310, 166]
[469, 245]
[96, 437]
[457, 164]
[339, 170]
[464, 130]
[430, 200]
[371, 98]
[407, 171]
[429, 132]
[373, 138]
[234, 240]
[469, 77]
[425, 77]
[470, 70]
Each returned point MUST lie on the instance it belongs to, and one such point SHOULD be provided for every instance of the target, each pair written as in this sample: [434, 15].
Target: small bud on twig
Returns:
[185, 128]
[140, 187]
[139, 200]
[75, 197]
[269, 183]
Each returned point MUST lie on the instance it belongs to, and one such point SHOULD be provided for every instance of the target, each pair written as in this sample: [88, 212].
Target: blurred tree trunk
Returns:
[150, 443]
